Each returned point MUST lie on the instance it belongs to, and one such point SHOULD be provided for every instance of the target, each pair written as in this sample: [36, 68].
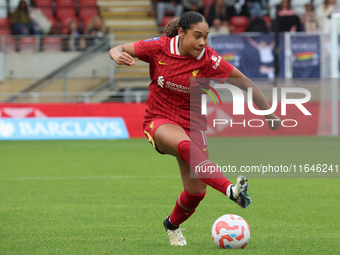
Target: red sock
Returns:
[216, 179]
[185, 206]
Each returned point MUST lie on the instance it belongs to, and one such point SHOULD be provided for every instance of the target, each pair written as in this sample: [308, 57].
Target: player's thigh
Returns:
[190, 183]
[168, 136]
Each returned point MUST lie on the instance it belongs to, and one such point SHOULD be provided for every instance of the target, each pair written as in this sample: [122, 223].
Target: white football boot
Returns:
[238, 192]
[176, 237]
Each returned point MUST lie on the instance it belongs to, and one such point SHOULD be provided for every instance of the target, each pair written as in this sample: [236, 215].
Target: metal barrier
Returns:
[47, 43]
[63, 70]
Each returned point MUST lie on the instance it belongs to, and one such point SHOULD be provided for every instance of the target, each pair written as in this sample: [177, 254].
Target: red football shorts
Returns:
[199, 137]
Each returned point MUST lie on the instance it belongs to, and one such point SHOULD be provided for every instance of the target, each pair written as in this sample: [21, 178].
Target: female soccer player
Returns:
[175, 58]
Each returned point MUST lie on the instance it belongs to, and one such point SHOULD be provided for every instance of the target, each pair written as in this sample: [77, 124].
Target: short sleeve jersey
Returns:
[171, 75]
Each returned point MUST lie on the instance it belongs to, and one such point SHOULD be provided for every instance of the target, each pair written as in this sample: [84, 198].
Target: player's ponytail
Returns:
[171, 29]
[185, 22]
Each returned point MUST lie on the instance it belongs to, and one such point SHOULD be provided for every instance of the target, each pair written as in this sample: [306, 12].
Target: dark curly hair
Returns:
[185, 22]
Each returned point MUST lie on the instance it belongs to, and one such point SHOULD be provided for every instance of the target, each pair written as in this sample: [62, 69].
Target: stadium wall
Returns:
[36, 65]
[133, 115]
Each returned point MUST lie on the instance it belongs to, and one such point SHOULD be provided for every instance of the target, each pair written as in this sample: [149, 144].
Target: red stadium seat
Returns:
[86, 21]
[5, 31]
[166, 20]
[9, 45]
[240, 23]
[53, 21]
[47, 10]
[65, 3]
[4, 22]
[65, 24]
[66, 21]
[85, 13]
[28, 44]
[65, 12]
[208, 2]
[51, 44]
[87, 3]
[43, 3]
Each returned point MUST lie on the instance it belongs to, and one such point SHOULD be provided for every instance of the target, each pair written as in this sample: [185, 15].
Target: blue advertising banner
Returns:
[62, 128]
[306, 56]
[229, 47]
[253, 56]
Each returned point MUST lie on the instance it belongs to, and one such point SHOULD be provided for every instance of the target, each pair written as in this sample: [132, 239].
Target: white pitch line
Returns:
[89, 177]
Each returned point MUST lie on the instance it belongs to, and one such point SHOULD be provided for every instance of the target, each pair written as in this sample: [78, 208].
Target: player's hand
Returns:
[274, 122]
[124, 58]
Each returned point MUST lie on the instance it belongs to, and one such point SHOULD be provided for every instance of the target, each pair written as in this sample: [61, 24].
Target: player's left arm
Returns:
[238, 79]
[123, 54]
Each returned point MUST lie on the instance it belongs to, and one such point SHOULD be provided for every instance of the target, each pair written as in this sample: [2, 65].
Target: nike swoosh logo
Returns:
[159, 62]
[205, 149]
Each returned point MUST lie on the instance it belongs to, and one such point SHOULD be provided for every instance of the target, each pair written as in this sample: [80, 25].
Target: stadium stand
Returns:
[130, 22]
[58, 12]
[44, 3]
[240, 23]
[65, 21]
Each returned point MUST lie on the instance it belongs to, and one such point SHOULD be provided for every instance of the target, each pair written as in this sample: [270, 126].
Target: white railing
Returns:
[47, 43]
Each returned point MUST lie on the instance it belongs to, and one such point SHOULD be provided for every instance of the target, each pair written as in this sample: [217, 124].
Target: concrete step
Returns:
[123, 39]
[73, 85]
[127, 27]
[134, 3]
[125, 15]
[136, 33]
[139, 70]
[99, 98]
[134, 38]
[133, 84]
[132, 70]
[113, 16]
[125, 10]
[132, 23]
[128, 75]
[138, 63]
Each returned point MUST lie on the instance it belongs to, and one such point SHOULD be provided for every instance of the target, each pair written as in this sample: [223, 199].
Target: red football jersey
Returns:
[170, 75]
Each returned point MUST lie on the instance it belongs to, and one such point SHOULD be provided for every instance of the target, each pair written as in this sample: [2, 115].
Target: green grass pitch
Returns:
[110, 197]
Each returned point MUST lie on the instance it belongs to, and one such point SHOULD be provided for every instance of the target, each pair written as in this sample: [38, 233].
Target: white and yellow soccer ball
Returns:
[230, 231]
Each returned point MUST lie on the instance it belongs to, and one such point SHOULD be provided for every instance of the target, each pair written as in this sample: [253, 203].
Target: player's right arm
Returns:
[123, 54]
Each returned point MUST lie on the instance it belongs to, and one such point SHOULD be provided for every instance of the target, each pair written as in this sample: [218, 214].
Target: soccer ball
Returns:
[230, 231]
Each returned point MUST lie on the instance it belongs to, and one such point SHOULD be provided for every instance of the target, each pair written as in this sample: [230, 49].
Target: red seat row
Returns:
[5, 26]
[65, 11]
[29, 44]
[66, 3]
